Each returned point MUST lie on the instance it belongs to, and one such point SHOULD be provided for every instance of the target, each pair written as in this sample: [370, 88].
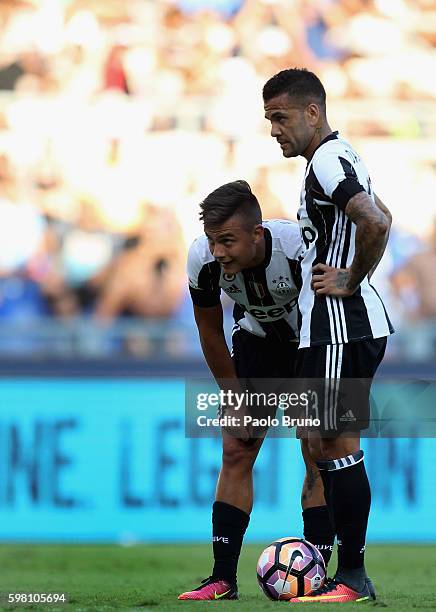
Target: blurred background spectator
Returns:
[117, 118]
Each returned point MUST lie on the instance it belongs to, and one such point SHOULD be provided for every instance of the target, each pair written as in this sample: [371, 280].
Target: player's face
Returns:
[292, 125]
[235, 245]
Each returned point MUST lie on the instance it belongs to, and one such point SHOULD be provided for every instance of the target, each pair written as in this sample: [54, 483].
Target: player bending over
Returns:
[256, 264]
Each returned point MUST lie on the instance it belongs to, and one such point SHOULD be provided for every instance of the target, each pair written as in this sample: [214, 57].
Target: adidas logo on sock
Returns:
[348, 416]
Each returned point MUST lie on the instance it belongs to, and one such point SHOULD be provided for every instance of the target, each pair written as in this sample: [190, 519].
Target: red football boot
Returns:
[212, 589]
[335, 592]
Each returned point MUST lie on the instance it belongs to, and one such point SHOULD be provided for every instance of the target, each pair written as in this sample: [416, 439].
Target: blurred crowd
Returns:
[117, 118]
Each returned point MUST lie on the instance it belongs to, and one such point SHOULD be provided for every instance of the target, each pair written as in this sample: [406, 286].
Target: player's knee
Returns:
[239, 456]
[334, 448]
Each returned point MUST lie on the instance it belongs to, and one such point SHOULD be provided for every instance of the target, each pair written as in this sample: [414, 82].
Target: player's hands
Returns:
[331, 281]
[235, 427]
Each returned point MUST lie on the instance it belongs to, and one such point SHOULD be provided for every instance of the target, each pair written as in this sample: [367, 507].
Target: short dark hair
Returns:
[298, 83]
[227, 200]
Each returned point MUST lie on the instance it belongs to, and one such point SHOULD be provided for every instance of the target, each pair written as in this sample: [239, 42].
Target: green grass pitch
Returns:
[150, 577]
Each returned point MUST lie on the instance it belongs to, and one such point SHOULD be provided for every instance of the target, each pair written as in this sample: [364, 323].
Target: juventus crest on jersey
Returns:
[265, 296]
[334, 175]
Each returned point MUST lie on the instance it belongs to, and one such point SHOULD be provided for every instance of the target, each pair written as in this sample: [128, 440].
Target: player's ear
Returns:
[258, 232]
[313, 114]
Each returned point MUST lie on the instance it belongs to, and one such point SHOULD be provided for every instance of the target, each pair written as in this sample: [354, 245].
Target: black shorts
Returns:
[340, 378]
[264, 368]
[256, 357]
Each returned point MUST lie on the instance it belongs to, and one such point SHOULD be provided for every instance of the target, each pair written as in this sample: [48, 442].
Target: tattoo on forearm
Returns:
[369, 249]
[385, 243]
[369, 244]
[342, 280]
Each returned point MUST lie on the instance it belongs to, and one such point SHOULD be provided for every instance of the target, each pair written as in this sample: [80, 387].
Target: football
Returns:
[290, 567]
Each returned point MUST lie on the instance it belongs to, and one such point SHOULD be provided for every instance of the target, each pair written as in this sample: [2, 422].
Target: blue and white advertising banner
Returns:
[108, 460]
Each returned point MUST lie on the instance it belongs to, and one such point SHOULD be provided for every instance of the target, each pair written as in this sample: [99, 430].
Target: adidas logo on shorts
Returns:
[233, 289]
[348, 417]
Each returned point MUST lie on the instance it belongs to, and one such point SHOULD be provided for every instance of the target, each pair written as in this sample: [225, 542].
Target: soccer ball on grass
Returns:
[290, 567]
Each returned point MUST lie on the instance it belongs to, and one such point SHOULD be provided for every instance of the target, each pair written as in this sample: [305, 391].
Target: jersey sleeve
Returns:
[294, 254]
[337, 177]
[203, 279]
[291, 240]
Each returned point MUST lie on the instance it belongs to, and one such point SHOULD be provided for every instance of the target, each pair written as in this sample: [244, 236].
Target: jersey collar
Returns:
[332, 136]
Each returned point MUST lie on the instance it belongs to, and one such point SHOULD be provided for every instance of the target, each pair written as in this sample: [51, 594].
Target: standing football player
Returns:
[344, 325]
[256, 264]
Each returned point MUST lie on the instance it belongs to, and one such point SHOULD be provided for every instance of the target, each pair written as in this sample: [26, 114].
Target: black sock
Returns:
[348, 498]
[354, 578]
[229, 524]
[319, 531]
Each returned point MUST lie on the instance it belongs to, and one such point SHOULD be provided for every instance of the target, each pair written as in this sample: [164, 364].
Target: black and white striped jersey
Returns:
[265, 296]
[334, 175]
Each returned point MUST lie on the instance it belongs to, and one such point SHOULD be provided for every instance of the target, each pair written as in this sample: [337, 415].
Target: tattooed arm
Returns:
[388, 216]
[372, 228]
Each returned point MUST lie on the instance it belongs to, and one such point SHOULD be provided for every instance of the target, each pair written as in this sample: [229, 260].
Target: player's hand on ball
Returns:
[331, 281]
